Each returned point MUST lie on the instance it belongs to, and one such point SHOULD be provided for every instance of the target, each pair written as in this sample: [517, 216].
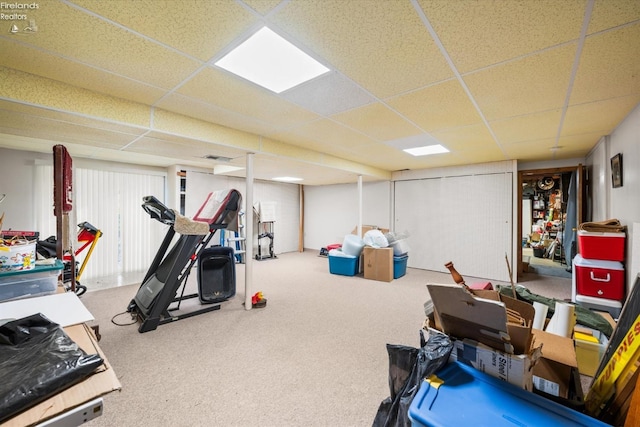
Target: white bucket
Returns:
[15, 257]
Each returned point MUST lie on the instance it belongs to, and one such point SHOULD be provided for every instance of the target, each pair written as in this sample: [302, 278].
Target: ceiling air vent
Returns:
[217, 158]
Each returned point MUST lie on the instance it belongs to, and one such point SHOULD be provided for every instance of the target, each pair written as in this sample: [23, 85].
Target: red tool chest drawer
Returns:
[596, 278]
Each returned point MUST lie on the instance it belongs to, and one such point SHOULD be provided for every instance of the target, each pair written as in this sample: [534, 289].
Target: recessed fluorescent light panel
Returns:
[426, 150]
[270, 61]
[287, 179]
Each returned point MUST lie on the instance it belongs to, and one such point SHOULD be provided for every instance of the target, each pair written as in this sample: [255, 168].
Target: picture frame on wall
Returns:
[616, 171]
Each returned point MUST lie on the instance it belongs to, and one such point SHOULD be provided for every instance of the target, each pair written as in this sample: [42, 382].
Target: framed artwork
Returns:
[616, 171]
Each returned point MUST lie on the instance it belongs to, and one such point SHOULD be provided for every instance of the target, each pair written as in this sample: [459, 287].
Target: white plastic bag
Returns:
[375, 238]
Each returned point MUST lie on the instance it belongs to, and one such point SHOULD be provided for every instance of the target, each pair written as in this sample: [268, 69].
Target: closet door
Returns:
[464, 219]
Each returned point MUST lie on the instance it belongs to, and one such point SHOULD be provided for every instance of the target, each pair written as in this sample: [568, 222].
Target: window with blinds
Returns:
[110, 201]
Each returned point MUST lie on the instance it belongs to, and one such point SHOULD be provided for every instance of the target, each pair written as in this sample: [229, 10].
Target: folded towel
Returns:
[606, 226]
[184, 225]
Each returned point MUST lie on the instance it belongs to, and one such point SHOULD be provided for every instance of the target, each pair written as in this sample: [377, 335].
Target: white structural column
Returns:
[248, 214]
[359, 205]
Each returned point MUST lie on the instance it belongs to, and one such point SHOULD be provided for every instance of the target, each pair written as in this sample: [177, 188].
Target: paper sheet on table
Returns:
[64, 309]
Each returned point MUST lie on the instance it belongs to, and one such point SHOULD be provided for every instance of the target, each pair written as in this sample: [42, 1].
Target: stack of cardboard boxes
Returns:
[493, 333]
[375, 263]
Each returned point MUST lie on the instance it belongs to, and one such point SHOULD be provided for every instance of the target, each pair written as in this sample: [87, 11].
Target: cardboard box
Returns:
[366, 228]
[485, 316]
[378, 263]
[101, 382]
[552, 373]
[512, 368]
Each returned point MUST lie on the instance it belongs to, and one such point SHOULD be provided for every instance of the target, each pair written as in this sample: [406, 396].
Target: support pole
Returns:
[248, 215]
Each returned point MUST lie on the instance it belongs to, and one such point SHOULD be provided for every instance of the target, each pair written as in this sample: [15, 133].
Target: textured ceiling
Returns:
[491, 80]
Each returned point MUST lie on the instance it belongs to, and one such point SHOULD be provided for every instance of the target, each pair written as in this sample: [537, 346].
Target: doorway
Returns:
[549, 211]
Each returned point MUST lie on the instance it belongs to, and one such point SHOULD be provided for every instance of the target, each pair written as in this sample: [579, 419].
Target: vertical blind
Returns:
[110, 201]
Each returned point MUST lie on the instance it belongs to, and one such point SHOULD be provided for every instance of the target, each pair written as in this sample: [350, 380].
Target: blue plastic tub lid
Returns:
[39, 268]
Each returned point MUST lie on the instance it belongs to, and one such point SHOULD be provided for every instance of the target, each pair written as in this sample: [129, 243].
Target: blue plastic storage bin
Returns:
[400, 265]
[344, 265]
[39, 281]
[469, 397]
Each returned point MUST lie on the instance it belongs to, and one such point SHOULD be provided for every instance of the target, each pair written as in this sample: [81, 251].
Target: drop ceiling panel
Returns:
[62, 116]
[214, 149]
[268, 167]
[82, 37]
[609, 66]
[35, 61]
[488, 154]
[609, 14]
[371, 42]
[176, 124]
[531, 127]
[198, 109]
[329, 94]
[59, 131]
[200, 28]
[89, 152]
[59, 96]
[530, 150]
[263, 7]
[300, 138]
[278, 148]
[378, 122]
[528, 26]
[535, 83]
[393, 159]
[465, 138]
[588, 118]
[192, 149]
[330, 135]
[232, 93]
[573, 145]
[436, 107]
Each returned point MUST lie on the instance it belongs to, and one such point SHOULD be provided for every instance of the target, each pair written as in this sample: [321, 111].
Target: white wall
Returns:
[622, 203]
[331, 211]
[599, 181]
[286, 196]
[17, 182]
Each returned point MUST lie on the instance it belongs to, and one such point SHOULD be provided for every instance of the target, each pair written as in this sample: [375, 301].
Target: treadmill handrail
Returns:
[158, 211]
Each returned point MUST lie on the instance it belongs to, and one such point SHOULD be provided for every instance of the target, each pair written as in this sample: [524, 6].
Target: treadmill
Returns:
[172, 264]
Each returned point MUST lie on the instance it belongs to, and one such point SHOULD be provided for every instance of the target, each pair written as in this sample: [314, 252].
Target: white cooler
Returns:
[601, 304]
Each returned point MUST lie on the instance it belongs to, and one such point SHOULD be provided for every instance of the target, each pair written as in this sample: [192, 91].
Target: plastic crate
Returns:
[468, 397]
[343, 265]
[41, 280]
[400, 266]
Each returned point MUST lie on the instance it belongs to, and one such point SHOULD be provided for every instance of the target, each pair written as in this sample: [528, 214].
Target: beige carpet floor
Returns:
[314, 356]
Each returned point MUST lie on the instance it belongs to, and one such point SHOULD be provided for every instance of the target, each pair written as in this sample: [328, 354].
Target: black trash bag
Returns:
[37, 360]
[408, 367]
[47, 247]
